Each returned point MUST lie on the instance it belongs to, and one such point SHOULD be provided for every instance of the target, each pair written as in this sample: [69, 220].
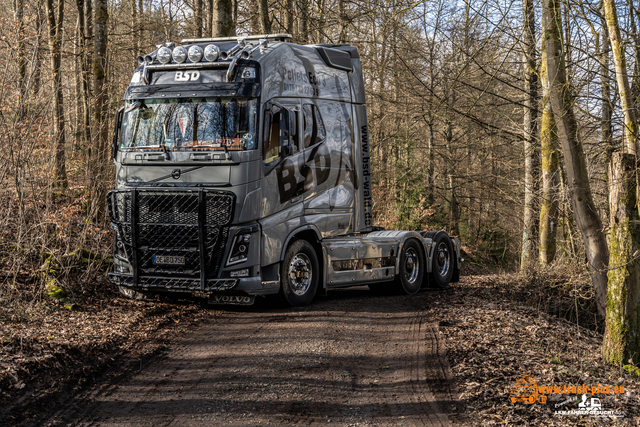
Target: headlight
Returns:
[164, 55]
[240, 249]
[195, 53]
[249, 73]
[179, 54]
[211, 53]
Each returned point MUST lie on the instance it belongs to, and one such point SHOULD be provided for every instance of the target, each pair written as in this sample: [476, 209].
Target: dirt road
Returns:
[349, 359]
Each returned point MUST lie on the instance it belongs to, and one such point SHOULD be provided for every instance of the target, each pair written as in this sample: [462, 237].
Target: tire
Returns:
[300, 274]
[443, 260]
[410, 268]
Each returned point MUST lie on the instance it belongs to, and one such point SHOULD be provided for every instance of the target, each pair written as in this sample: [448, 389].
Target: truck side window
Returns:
[314, 131]
[271, 140]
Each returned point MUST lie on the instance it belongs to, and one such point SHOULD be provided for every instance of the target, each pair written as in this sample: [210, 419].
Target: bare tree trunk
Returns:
[622, 331]
[208, 25]
[454, 208]
[550, 175]
[430, 166]
[55, 18]
[265, 22]
[36, 59]
[198, 19]
[530, 149]
[135, 40]
[303, 25]
[77, 75]
[320, 19]
[626, 98]
[342, 38]
[577, 175]
[99, 158]
[85, 95]
[141, 25]
[635, 83]
[605, 87]
[223, 25]
[22, 61]
[288, 23]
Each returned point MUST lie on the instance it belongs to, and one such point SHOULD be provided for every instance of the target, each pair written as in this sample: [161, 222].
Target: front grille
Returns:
[174, 283]
[192, 224]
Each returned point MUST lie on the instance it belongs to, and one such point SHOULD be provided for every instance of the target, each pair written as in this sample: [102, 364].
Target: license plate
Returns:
[231, 299]
[168, 260]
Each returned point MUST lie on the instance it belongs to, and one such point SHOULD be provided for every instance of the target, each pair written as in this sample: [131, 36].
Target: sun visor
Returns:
[336, 58]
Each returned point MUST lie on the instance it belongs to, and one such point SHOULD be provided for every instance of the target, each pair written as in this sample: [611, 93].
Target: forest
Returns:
[512, 125]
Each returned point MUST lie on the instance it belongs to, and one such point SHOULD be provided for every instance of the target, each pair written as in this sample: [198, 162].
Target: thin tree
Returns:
[198, 19]
[549, 150]
[578, 184]
[265, 22]
[22, 61]
[626, 97]
[55, 19]
[101, 111]
[530, 146]
[622, 325]
[223, 25]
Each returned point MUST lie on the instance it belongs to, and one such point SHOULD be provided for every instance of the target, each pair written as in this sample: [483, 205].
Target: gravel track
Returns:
[349, 359]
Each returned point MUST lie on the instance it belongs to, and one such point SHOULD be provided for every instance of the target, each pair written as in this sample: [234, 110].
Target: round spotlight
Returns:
[195, 53]
[164, 55]
[179, 54]
[211, 53]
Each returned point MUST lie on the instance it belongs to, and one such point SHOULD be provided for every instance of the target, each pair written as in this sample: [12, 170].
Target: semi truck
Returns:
[243, 170]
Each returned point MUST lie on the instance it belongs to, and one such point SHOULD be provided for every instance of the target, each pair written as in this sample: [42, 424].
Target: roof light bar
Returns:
[271, 37]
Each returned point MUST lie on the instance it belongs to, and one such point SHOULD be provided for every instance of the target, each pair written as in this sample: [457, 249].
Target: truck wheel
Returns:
[442, 261]
[411, 268]
[300, 273]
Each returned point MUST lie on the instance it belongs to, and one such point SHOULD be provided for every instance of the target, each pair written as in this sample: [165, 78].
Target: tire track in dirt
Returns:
[349, 359]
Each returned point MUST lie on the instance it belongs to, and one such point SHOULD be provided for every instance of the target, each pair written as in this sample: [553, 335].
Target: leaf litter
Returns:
[493, 339]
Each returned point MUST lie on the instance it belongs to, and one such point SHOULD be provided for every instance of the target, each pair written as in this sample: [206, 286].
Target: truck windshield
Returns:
[189, 124]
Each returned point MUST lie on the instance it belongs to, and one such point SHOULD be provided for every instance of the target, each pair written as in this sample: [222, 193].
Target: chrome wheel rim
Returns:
[411, 265]
[300, 274]
[443, 259]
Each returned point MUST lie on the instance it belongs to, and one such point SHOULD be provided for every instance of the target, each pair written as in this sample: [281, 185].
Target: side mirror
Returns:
[116, 133]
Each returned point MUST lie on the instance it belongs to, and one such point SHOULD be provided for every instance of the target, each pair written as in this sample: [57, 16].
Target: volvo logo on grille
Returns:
[175, 174]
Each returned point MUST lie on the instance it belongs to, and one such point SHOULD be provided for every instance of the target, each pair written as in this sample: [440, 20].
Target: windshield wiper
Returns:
[227, 155]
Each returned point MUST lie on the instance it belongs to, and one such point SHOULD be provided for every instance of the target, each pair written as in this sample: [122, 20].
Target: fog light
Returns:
[164, 55]
[179, 54]
[195, 53]
[240, 273]
[211, 53]
[122, 269]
